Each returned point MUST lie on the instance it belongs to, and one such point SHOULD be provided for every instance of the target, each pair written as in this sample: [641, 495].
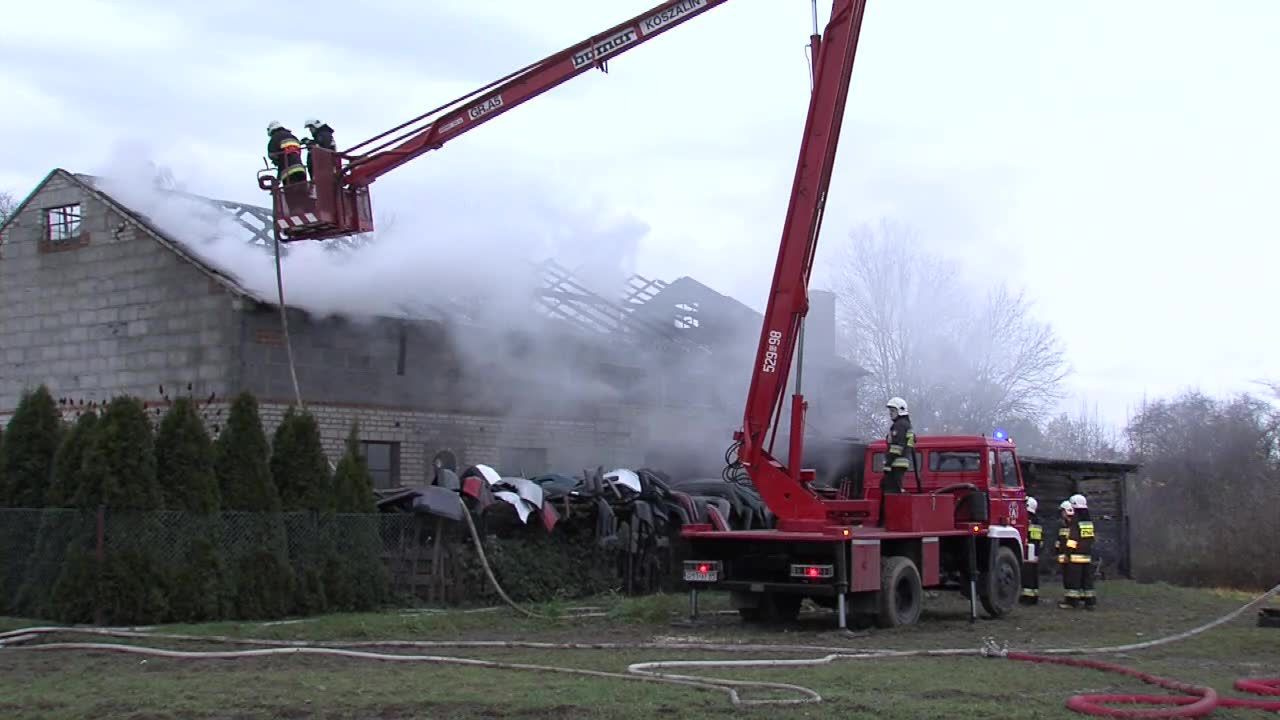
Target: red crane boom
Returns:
[781, 488]
[335, 202]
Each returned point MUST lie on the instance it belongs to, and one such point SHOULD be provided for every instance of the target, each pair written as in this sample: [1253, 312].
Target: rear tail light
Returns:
[702, 570]
[813, 572]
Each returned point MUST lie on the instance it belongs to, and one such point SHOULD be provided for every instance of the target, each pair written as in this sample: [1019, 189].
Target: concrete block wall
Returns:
[110, 312]
[570, 446]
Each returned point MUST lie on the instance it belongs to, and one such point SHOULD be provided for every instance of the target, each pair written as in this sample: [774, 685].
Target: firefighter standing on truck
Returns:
[1083, 555]
[1031, 565]
[902, 446]
[285, 153]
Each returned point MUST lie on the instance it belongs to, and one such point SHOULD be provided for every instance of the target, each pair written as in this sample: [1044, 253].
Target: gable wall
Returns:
[112, 311]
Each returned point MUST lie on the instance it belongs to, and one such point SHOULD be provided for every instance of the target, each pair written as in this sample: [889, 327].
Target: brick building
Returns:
[99, 298]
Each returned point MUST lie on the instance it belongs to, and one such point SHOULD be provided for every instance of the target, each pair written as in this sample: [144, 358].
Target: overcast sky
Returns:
[1117, 159]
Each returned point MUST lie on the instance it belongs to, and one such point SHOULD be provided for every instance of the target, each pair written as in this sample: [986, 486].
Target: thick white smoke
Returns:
[426, 260]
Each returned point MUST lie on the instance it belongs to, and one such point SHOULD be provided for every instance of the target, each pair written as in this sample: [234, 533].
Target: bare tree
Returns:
[965, 357]
[1085, 437]
[1203, 506]
[7, 205]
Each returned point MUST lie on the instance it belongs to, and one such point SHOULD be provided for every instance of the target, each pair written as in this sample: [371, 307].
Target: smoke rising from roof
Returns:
[437, 258]
[466, 257]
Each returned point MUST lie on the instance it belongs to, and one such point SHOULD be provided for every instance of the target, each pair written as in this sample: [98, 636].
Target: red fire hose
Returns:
[1197, 701]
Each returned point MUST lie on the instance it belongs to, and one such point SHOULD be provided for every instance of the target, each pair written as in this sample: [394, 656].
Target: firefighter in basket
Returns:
[285, 153]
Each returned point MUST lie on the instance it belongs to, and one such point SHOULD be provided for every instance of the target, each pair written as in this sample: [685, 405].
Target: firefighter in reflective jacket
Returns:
[1068, 541]
[285, 153]
[902, 445]
[1031, 565]
[1083, 555]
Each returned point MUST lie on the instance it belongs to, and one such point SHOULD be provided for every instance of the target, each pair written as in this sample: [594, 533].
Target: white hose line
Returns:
[14, 637]
[725, 686]
[1171, 638]
[989, 649]
[648, 671]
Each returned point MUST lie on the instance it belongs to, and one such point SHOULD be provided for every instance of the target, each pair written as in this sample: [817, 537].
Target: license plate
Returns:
[695, 576]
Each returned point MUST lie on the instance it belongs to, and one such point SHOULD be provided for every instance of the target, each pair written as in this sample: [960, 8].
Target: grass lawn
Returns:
[99, 684]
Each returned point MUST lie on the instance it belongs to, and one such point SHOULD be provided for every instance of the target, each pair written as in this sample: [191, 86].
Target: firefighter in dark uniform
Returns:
[1068, 542]
[1031, 565]
[285, 153]
[902, 446]
[1083, 555]
[321, 136]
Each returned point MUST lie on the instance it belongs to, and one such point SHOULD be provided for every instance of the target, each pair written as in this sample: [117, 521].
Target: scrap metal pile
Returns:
[636, 515]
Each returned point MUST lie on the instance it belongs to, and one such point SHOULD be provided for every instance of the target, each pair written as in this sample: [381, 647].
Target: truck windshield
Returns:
[955, 461]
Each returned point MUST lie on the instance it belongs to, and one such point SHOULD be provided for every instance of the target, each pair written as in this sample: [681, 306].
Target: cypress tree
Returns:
[69, 461]
[298, 464]
[119, 468]
[31, 440]
[184, 461]
[352, 483]
[301, 471]
[355, 578]
[257, 560]
[119, 471]
[58, 527]
[184, 464]
[241, 460]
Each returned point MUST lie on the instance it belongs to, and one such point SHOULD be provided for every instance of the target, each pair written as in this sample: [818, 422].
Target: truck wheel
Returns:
[998, 588]
[901, 594]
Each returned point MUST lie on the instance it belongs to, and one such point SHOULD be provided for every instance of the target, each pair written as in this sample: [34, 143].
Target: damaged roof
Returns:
[684, 314]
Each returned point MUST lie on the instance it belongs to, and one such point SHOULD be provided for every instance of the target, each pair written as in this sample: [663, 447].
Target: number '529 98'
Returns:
[771, 355]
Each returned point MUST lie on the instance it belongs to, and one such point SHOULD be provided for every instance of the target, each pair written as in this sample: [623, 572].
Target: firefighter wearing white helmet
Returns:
[902, 444]
[285, 153]
[1031, 564]
[1071, 557]
[1083, 555]
[321, 137]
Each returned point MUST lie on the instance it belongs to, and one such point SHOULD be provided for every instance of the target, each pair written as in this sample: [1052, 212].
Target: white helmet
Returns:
[313, 123]
[1066, 507]
[1032, 504]
[898, 404]
[273, 126]
[1077, 501]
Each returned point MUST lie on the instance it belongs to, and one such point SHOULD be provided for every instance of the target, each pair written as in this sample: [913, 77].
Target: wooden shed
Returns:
[1051, 480]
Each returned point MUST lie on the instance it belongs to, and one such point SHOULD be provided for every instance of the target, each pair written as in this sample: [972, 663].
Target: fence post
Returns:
[100, 552]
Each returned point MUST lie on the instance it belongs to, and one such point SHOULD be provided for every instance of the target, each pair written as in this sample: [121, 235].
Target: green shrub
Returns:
[68, 463]
[30, 443]
[241, 461]
[298, 464]
[184, 461]
[119, 467]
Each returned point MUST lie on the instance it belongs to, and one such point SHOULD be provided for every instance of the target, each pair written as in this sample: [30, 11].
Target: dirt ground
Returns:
[55, 683]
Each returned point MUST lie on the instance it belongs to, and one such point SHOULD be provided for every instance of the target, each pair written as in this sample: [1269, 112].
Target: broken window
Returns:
[62, 223]
[383, 460]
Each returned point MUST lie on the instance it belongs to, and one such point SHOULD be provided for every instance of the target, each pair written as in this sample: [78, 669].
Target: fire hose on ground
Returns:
[1195, 701]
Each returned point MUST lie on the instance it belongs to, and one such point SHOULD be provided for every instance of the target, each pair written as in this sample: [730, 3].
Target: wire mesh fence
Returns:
[156, 566]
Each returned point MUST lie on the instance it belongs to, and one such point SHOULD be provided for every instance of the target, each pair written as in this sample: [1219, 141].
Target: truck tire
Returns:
[901, 593]
[998, 587]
